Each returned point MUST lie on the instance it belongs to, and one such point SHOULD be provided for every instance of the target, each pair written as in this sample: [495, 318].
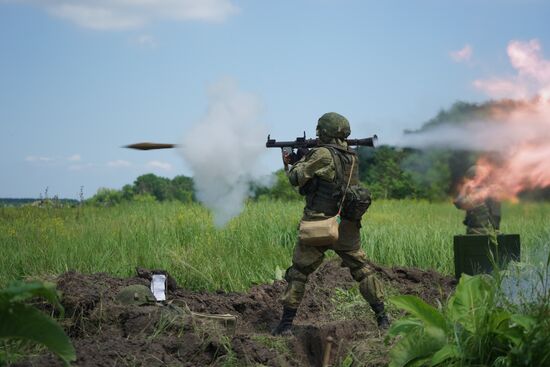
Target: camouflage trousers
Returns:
[306, 259]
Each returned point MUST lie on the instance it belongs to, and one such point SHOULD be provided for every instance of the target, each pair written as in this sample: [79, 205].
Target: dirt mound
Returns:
[106, 333]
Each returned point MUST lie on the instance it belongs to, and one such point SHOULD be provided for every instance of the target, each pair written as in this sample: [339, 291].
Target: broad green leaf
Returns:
[449, 351]
[471, 296]
[499, 319]
[19, 291]
[420, 362]
[20, 321]
[417, 346]
[404, 326]
[525, 321]
[418, 308]
[436, 334]
[513, 335]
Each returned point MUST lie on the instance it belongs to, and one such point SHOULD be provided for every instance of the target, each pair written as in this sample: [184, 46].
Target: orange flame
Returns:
[525, 163]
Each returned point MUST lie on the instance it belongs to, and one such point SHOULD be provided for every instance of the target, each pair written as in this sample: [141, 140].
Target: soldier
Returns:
[321, 175]
[482, 211]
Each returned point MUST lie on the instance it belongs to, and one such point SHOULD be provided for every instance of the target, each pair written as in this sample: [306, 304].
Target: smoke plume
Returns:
[514, 132]
[224, 148]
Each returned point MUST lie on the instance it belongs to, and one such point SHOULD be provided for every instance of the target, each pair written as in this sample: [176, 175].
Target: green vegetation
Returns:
[252, 248]
[23, 323]
[480, 325]
[147, 188]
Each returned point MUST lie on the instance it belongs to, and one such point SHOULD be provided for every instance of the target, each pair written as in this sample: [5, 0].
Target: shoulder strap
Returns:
[347, 185]
[338, 167]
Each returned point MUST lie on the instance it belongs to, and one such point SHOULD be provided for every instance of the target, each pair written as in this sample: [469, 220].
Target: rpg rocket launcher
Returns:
[302, 145]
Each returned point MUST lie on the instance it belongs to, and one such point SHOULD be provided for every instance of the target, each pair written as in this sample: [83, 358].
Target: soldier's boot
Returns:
[285, 325]
[381, 316]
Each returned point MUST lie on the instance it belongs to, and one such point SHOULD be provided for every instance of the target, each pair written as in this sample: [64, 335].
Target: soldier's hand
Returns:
[301, 152]
[291, 157]
[287, 158]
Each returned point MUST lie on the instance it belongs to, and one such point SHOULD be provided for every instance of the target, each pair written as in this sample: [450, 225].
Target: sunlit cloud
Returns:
[532, 76]
[128, 14]
[119, 163]
[462, 55]
[74, 158]
[164, 166]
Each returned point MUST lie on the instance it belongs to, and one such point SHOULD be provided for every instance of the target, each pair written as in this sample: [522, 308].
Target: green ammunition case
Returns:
[474, 254]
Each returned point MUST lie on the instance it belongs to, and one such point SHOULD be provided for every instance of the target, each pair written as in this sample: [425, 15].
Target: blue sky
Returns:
[80, 78]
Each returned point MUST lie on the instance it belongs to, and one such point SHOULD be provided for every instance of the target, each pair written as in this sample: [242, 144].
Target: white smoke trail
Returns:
[495, 133]
[224, 148]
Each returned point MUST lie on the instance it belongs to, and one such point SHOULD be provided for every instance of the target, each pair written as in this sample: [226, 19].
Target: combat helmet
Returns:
[333, 125]
[135, 294]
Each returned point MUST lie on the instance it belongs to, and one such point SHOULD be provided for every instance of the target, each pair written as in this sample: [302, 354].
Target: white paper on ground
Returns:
[158, 286]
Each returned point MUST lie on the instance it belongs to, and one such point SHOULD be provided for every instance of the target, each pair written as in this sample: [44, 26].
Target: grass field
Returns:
[252, 248]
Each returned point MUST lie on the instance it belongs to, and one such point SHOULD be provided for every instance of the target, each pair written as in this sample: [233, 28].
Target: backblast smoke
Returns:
[224, 148]
[512, 133]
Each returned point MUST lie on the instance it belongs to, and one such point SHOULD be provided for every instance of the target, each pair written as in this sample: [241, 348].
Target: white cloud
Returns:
[43, 159]
[532, 74]
[464, 54]
[146, 40]
[132, 14]
[80, 167]
[119, 163]
[159, 165]
[33, 158]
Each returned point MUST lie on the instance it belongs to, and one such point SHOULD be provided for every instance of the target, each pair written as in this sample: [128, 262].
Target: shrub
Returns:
[477, 327]
[20, 321]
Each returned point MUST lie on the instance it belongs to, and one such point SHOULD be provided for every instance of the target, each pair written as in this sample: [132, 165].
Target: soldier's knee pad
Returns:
[294, 292]
[362, 272]
[371, 289]
[293, 274]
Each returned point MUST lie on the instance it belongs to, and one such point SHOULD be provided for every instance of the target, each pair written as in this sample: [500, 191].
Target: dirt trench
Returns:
[106, 333]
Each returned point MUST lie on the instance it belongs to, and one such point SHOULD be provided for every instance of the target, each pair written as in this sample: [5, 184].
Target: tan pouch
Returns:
[319, 232]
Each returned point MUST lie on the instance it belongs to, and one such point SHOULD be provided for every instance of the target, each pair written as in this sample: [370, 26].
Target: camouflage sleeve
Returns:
[317, 163]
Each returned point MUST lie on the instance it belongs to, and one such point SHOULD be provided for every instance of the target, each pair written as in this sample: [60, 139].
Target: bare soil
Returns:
[106, 333]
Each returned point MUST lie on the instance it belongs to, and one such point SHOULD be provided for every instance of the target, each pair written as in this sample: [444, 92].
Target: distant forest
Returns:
[28, 201]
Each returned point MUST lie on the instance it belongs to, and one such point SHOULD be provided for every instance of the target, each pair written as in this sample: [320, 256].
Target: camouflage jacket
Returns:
[315, 174]
[479, 214]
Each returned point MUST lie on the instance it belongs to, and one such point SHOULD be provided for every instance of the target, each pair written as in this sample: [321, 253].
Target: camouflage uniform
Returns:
[482, 217]
[321, 176]
[319, 166]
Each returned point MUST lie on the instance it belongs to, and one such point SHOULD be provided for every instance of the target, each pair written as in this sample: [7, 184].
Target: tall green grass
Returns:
[252, 248]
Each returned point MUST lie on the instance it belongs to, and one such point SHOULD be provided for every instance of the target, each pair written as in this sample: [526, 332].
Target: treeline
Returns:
[55, 201]
[392, 173]
[148, 188]
[388, 172]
